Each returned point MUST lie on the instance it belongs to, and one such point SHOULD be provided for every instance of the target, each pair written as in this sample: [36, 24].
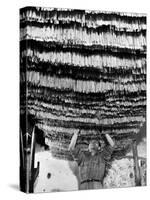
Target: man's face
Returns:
[93, 146]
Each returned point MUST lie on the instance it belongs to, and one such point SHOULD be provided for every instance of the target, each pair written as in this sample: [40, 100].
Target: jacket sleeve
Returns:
[77, 155]
[107, 152]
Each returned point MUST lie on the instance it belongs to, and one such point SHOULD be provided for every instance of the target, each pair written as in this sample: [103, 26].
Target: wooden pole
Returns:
[33, 171]
[136, 163]
[32, 155]
[22, 164]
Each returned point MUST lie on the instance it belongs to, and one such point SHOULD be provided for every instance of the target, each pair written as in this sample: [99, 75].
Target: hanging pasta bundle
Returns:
[79, 64]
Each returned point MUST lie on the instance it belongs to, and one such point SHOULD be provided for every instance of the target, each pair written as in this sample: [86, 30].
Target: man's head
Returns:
[94, 146]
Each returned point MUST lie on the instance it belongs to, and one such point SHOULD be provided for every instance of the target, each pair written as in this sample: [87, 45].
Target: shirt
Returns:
[92, 167]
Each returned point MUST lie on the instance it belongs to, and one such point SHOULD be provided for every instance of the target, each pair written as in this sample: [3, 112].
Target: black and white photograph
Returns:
[82, 99]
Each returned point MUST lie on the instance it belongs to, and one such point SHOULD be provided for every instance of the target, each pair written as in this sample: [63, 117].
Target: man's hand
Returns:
[77, 132]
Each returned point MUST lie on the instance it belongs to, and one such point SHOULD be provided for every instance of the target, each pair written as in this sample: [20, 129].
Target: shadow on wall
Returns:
[14, 187]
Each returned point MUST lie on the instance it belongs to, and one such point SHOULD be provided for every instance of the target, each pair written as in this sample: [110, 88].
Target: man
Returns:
[92, 162]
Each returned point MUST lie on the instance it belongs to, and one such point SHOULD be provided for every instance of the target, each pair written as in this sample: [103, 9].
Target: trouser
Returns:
[90, 185]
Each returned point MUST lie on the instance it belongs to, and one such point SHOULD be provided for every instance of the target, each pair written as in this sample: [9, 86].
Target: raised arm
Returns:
[108, 149]
[73, 141]
[110, 140]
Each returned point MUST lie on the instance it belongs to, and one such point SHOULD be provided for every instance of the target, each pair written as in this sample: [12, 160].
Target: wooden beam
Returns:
[136, 164]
